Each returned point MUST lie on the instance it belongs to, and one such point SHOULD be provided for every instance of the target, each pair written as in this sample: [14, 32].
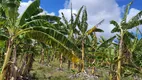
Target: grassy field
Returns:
[51, 71]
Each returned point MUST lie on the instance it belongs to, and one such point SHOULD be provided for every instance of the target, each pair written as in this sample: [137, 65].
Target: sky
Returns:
[97, 10]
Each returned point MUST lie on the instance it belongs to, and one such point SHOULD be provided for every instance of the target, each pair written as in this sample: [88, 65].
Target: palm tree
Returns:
[122, 28]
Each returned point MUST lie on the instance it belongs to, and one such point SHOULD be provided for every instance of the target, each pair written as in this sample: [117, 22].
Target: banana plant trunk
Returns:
[28, 66]
[73, 64]
[23, 64]
[120, 56]
[6, 59]
[61, 61]
[69, 63]
[82, 65]
[93, 67]
[14, 66]
[42, 56]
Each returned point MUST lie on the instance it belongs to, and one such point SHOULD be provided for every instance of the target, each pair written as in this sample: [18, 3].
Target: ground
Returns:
[51, 71]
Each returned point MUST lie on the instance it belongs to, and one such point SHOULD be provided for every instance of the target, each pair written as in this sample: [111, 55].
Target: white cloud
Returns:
[132, 13]
[67, 13]
[24, 5]
[45, 12]
[97, 10]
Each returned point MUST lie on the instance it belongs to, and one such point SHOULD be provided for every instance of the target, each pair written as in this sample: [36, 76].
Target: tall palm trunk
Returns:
[82, 65]
[6, 60]
[120, 56]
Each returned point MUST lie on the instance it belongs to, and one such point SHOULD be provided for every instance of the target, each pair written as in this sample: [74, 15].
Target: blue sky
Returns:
[51, 5]
[56, 5]
[136, 4]
[96, 9]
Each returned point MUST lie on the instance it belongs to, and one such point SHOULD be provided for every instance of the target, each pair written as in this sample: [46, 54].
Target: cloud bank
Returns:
[97, 10]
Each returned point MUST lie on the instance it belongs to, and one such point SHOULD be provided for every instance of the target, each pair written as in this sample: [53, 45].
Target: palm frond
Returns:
[100, 23]
[2, 21]
[64, 19]
[99, 30]
[77, 17]
[136, 17]
[31, 9]
[71, 15]
[95, 28]
[55, 39]
[116, 28]
[126, 12]
[52, 37]
[36, 22]
[3, 37]
[49, 18]
[128, 34]
[84, 25]
[133, 24]
[107, 42]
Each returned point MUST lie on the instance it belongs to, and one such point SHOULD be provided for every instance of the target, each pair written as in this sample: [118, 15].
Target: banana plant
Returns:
[82, 26]
[132, 49]
[123, 28]
[32, 25]
[70, 29]
[107, 52]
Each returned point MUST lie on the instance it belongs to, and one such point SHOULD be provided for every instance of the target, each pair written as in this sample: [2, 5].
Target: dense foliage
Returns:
[30, 36]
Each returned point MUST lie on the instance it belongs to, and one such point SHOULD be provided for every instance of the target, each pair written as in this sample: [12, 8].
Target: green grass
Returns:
[52, 72]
